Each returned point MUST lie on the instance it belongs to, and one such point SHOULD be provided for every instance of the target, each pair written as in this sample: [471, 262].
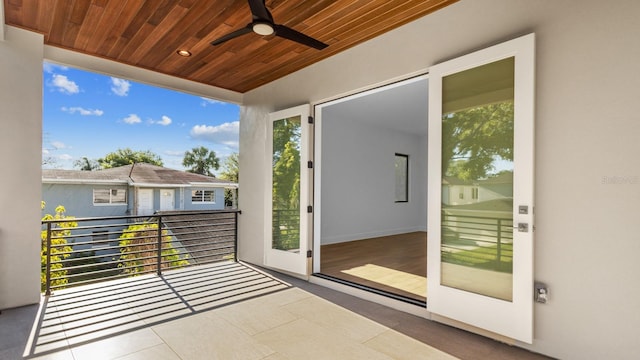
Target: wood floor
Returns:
[397, 263]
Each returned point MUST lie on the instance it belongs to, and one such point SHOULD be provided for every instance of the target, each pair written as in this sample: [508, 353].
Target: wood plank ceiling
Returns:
[147, 34]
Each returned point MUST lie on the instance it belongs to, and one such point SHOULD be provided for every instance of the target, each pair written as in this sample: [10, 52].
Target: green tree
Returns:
[58, 230]
[286, 164]
[86, 164]
[230, 172]
[201, 160]
[473, 139]
[138, 248]
[127, 156]
[286, 184]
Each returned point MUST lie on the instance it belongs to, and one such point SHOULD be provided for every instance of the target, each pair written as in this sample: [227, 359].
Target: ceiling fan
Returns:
[262, 24]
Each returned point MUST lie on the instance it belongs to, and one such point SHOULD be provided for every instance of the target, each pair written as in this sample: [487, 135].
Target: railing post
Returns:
[235, 239]
[159, 249]
[499, 247]
[48, 269]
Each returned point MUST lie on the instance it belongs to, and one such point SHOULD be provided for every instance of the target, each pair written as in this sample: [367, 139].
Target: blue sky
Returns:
[89, 114]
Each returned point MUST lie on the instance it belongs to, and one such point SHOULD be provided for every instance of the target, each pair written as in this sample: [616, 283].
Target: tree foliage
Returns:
[122, 157]
[201, 160]
[286, 164]
[86, 164]
[58, 230]
[138, 245]
[473, 139]
[231, 168]
[230, 172]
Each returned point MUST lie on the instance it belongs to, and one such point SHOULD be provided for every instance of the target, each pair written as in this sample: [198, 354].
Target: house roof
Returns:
[140, 174]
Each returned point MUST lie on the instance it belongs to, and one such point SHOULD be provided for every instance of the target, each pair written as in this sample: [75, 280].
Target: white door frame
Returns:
[511, 319]
[296, 263]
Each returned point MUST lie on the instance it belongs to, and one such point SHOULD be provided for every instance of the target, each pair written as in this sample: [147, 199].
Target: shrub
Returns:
[138, 245]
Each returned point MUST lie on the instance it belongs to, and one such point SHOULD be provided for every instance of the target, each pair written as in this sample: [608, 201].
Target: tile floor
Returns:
[228, 311]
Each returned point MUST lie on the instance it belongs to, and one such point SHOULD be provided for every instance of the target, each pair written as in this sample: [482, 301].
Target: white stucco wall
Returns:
[587, 130]
[20, 154]
[354, 154]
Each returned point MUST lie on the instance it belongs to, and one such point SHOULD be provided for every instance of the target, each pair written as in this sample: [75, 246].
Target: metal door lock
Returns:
[541, 293]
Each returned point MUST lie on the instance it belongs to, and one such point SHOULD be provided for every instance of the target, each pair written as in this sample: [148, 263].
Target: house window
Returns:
[203, 196]
[109, 196]
[474, 193]
[461, 194]
[402, 178]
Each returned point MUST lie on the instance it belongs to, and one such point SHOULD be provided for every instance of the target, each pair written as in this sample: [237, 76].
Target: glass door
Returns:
[287, 217]
[480, 223]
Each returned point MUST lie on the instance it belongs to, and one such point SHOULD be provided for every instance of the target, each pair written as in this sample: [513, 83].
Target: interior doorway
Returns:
[370, 189]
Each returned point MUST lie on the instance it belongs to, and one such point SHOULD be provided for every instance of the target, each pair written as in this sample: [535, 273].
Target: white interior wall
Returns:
[356, 153]
[587, 178]
[20, 153]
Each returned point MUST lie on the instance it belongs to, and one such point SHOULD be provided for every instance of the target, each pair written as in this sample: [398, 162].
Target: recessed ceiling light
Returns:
[185, 53]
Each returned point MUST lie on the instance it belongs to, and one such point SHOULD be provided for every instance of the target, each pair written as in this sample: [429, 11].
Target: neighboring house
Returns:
[462, 192]
[138, 189]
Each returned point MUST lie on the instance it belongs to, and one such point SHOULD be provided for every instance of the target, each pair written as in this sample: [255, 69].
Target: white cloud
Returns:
[132, 119]
[226, 133]
[45, 152]
[165, 120]
[82, 111]
[64, 85]
[58, 145]
[120, 87]
[207, 101]
[65, 157]
[174, 153]
[50, 68]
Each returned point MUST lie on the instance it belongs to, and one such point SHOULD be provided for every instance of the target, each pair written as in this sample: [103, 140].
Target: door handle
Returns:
[522, 227]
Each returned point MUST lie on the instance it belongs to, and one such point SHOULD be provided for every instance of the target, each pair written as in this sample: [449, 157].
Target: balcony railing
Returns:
[478, 241]
[82, 251]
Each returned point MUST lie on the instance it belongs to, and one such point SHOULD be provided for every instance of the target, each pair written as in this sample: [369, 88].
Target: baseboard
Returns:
[368, 235]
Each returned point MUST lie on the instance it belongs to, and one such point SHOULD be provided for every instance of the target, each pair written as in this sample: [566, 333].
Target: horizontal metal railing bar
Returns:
[189, 243]
[116, 262]
[78, 243]
[103, 226]
[109, 248]
[152, 236]
[196, 246]
[220, 255]
[208, 231]
[478, 220]
[477, 237]
[197, 222]
[462, 224]
[139, 217]
[153, 265]
[187, 237]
